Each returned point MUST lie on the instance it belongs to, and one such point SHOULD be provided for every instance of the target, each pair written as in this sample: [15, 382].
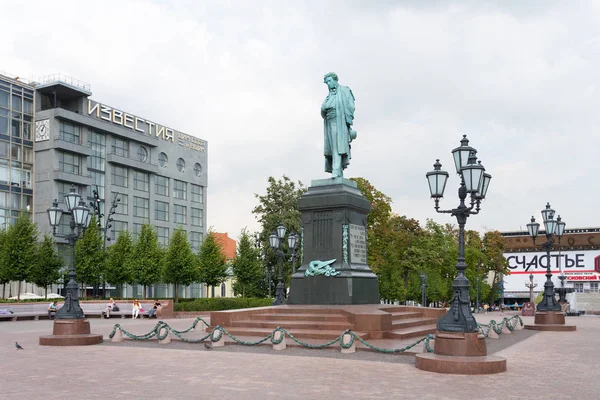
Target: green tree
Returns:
[494, 261]
[119, 260]
[20, 250]
[147, 258]
[46, 269]
[89, 255]
[180, 268]
[4, 274]
[278, 205]
[246, 266]
[212, 262]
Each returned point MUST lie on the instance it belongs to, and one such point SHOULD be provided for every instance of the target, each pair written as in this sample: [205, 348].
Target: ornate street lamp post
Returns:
[423, 289]
[556, 228]
[276, 242]
[473, 181]
[79, 218]
[477, 294]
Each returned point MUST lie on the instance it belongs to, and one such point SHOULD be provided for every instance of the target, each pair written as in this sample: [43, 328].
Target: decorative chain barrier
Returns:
[511, 324]
[162, 329]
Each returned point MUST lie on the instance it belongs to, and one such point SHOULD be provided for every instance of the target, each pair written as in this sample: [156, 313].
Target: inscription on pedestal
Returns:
[358, 244]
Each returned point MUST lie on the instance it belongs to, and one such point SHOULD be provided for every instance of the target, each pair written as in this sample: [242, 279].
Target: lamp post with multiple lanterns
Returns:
[556, 228]
[79, 222]
[474, 182]
[276, 241]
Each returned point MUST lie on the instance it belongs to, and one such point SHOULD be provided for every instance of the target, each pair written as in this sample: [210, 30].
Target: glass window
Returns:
[15, 152]
[180, 165]
[141, 180]
[196, 216]
[121, 147]
[4, 146]
[123, 205]
[69, 132]
[98, 181]
[118, 227]
[4, 173]
[180, 214]
[16, 101]
[161, 210]
[26, 177]
[163, 235]
[195, 240]
[3, 124]
[197, 194]
[163, 160]
[97, 143]
[3, 98]
[15, 129]
[140, 207]
[137, 229]
[593, 286]
[27, 130]
[161, 185]
[119, 176]
[179, 189]
[68, 162]
[27, 106]
[142, 154]
[198, 170]
[27, 155]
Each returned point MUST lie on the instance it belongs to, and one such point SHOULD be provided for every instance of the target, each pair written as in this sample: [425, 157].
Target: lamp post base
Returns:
[550, 321]
[460, 353]
[71, 332]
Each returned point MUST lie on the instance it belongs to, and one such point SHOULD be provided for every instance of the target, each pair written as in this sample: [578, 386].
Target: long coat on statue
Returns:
[339, 104]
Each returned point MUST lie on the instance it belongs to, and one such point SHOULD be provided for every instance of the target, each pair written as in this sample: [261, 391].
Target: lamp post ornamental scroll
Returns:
[474, 182]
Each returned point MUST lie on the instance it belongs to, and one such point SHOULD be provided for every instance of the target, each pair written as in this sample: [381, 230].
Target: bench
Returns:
[36, 311]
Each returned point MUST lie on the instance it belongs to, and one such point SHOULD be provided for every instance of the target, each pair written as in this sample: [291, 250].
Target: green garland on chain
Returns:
[511, 324]
[162, 329]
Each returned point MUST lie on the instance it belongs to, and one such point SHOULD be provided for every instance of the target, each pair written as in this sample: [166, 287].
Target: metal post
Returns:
[477, 295]
[279, 295]
[71, 308]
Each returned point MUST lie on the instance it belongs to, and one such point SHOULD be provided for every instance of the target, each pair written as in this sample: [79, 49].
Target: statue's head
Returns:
[331, 79]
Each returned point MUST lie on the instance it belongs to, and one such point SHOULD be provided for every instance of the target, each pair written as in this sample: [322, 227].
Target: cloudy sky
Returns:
[521, 79]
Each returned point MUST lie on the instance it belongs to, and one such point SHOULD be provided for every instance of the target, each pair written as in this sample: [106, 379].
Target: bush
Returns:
[222, 303]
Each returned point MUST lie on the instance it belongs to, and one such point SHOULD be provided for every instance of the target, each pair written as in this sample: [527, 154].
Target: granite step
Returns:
[412, 332]
[300, 317]
[411, 322]
[297, 332]
[396, 315]
[272, 324]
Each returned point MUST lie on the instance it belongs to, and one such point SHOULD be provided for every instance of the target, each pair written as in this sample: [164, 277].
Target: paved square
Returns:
[548, 365]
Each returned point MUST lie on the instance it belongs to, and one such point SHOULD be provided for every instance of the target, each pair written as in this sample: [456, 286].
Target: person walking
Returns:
[135, 311]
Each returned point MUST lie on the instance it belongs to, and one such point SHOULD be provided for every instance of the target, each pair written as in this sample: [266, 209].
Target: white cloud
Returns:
[520, 78]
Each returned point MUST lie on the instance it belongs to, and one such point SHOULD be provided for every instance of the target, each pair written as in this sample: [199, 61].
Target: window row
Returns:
[19, 126]
[15, 176]
[163, 162]
[16, 152]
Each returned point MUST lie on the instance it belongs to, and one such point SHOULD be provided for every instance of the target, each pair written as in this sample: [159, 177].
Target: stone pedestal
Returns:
[71, 332]
[550, 321]
[334, 223]
[460, 353]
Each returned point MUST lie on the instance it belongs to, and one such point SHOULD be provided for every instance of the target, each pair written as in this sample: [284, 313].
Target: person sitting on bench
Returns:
[52, 309]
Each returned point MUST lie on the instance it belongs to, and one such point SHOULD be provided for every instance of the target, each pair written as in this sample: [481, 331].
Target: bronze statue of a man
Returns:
[338, 115]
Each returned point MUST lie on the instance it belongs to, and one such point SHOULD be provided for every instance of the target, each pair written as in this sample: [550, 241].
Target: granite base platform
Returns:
[71, 332]
[460, 353]
[550, 321]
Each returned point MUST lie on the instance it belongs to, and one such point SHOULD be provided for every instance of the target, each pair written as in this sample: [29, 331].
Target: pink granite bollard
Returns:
[347, 338]
[166, 340]
[492, 334]
[518, 326]
[117, 337]
[220, 342]
[505, 329]
[277, 336]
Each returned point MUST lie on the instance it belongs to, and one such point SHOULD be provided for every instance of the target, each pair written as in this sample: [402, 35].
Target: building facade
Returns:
[16, 149]
[577, 256]
[53, 135]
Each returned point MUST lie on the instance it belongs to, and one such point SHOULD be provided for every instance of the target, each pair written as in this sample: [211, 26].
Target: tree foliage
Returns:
[147, 258]
[46, 270]
[89, 255]
[212, 261]
[180, 263]
[247, 268]
[278, 206]
[20, 250]
[119, 260]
